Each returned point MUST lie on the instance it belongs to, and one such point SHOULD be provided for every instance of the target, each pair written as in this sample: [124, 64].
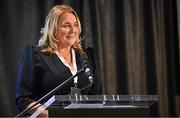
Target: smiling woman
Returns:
[68, 31]
[58, 56]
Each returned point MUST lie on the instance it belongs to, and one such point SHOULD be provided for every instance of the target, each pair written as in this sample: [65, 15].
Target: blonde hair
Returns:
[47, 40]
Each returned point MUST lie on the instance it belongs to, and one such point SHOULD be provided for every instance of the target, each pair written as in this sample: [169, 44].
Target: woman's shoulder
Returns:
[31, 47]
[91, 55]
[34, 50]
[90, 52]
[89, 49]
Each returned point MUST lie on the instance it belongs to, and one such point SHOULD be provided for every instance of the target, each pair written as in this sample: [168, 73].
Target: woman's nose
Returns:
[72, 29]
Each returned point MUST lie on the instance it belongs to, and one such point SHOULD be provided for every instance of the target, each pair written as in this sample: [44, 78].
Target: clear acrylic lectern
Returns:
[98, 105]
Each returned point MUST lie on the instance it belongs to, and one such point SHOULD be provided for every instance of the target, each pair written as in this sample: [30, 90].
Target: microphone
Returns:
[86, 67]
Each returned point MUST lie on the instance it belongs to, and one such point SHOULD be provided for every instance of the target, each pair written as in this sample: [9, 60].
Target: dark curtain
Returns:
[136, 42]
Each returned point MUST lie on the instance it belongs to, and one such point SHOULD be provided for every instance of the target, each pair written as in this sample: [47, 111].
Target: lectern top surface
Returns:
[106, 100]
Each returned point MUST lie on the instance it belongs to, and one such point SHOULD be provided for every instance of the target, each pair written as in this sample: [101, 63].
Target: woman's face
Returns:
[68, 30]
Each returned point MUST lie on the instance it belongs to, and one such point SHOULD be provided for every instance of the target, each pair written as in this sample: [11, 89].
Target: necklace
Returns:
[67, 58]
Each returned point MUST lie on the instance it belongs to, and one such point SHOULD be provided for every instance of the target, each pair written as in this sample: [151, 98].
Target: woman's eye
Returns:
[66, 26]
[76, 25]
[69, 25]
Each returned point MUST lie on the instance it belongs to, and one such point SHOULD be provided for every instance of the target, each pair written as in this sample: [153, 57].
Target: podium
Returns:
[99, 105]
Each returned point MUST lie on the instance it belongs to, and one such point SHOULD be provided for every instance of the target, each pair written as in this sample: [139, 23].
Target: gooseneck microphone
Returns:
[86, 67]
[87, 71]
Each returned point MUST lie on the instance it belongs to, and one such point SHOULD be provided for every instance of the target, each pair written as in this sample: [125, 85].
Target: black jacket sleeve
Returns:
[25, 78]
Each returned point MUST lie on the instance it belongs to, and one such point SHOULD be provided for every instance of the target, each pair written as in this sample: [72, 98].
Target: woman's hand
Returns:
[44, 114]
[35, 108]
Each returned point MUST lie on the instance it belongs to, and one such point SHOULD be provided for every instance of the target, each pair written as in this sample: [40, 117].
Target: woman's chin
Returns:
[71, 42]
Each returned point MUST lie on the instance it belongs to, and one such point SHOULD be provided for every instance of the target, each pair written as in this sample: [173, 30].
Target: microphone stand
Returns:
[49, 94]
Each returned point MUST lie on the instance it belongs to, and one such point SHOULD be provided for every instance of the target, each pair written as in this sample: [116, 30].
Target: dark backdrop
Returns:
[136, 42]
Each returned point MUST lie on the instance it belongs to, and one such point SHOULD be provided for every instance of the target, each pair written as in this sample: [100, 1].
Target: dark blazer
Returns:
[39, 73]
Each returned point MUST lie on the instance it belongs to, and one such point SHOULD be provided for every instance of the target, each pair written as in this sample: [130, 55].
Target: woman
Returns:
[56, 58]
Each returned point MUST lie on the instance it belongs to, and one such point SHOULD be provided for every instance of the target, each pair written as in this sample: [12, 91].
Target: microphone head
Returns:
[86, 67]
[89, 74]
